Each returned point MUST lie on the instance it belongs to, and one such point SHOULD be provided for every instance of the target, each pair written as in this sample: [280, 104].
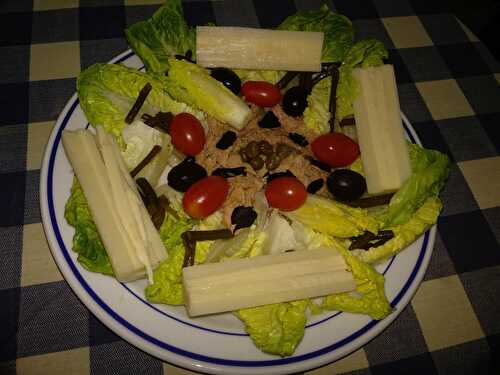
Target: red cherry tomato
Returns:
[286, 193]
[187, 134]
[205, 196]
[262, 93]
[335, 149]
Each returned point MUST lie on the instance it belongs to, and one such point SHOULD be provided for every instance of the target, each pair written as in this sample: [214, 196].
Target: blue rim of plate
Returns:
[165, 346]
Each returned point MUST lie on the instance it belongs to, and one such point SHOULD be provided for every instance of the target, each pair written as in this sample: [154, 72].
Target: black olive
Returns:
[315, 185]
[295, 101]
[243, 217]
[226, 140]
[272, 176]
[269, 121]
[228, 78]
[346, 185]
[298, 139]
[184, 174]
[230, 172]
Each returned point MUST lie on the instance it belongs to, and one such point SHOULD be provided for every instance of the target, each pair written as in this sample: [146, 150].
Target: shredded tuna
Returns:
[293, 125]
[242, 189]
[303, 170]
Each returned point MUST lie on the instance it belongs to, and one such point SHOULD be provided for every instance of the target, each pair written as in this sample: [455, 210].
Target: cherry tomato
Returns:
[205, 196]
[335, 149]
[286, 193]
[187, 134]
[262, 93]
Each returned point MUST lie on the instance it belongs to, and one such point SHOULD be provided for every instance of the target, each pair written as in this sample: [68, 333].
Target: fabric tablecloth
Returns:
[449, 89]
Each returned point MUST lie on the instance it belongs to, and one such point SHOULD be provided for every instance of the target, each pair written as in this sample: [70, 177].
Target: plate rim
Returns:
[363, 335]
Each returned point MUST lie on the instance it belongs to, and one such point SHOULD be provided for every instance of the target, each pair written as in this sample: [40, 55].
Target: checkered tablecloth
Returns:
[449, 89]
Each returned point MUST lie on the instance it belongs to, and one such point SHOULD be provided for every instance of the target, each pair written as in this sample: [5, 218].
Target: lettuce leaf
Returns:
[333, 218]
[430, 170]
[272, 76]
[365, 53]
[192, 84]
[167, 278]
[277, 328]
[406, 233]
[317, 113]
[368, 52]
[247, 242]
[86, 240]
[370, 298]
[108, 91]
[337, 29]
[161, 37]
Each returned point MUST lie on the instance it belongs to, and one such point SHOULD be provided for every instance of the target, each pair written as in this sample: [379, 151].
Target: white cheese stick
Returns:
[110, 199]
[235, 284]
[384, 151]
[248, 48]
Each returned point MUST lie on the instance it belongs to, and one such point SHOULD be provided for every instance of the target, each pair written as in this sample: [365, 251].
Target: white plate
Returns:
[216, 344]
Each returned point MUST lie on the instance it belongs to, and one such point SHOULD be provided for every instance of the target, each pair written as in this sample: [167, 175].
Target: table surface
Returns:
[449, 89]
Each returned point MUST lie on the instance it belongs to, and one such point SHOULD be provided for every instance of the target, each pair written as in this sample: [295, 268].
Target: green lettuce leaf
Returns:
[192, 84]
[86, 241]
[333, 218]
[167, 278]
[337, 29]
[247, 242]
[430, 170]
[277, 328]
[365, 53]
[272, 76]
[161, 37]
[370, 298]
[368, 52]
[406, 233]
[317, 113]
[108, 91]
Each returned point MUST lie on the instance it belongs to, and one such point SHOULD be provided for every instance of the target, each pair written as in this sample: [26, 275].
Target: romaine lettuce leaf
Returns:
[108, 91]
[86, 241]
[212, 222]
[192, 84]
[247, 242]
[172, 229]
[272, 76]
[371, 298]
[406, 233]
[337, 29]
[167, 278]
[317, 113]
[162, 36]
[365, 53]
[333, 218]
[430, 170]
[368, 52]
[277, 328]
